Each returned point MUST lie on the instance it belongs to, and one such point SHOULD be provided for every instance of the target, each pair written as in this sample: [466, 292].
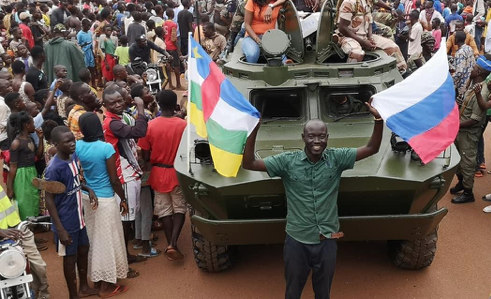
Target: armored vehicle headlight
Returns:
[12, 263]
[398, 144]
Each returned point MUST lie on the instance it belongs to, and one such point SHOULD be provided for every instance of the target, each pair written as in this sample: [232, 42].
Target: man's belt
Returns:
[337, 235]
[163, 165]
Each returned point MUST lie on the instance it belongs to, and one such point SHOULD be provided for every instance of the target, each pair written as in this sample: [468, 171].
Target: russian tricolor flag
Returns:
[422, 109]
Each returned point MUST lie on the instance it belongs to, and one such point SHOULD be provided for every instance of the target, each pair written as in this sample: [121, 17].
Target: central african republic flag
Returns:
[219, 111]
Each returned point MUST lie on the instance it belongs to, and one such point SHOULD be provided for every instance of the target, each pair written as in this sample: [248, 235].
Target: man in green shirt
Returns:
[311, 178]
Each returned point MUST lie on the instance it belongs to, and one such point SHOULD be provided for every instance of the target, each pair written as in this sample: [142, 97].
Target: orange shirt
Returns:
[258, 25]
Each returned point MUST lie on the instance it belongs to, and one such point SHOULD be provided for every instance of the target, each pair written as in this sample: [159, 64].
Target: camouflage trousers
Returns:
[356, 53]
[466, 144]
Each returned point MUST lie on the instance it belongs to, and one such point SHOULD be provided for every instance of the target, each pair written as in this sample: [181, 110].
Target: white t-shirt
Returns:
[415, 47]
[487, 41]
[436, 14]
[4, 117]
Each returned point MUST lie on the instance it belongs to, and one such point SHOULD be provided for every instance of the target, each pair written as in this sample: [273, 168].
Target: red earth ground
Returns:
[461, 269]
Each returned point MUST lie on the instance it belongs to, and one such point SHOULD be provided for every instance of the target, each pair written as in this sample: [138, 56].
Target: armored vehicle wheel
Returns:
[414, 254]
[208, 256]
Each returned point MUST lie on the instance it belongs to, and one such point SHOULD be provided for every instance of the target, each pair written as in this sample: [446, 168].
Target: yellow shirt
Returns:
[46, 20]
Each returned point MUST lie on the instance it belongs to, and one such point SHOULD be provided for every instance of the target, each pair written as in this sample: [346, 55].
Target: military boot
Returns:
[466, 196]
[459, 186]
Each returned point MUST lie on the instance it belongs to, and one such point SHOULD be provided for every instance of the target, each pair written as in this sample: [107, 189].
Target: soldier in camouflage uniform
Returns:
[207, 7]
[236, 25]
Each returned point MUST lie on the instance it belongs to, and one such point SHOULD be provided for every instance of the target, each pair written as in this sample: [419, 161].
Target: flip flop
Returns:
[50, 186]
[132, 273]
[140, 246]
[173, 254]
[118, 290]
[153, 253]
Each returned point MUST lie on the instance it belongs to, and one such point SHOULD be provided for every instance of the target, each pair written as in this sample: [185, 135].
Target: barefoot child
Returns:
[72, 242]
[108, 46]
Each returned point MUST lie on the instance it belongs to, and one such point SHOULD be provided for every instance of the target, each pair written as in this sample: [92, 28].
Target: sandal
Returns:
[153, 253]
[132, 273]
[118, 290]
[40, 241]
[173, 254]
[140, 246]
[41, 247]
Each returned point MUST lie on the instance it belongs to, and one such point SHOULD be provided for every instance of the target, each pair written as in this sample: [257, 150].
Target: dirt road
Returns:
[461, 269]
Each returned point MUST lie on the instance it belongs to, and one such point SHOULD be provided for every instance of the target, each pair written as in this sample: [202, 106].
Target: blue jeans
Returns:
[251, 49]
[302, 258]
[478, 35]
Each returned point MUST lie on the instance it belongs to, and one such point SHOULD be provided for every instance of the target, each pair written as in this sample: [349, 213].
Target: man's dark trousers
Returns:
[300, 258]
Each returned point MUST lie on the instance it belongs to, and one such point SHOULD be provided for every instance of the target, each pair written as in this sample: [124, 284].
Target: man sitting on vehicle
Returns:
[10, 218]
[344, 105]
[141, 48]
[355, 33]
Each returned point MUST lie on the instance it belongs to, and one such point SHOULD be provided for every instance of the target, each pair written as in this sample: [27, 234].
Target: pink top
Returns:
[437, 34]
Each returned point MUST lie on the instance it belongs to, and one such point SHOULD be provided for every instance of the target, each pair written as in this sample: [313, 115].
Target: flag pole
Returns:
[188, 108]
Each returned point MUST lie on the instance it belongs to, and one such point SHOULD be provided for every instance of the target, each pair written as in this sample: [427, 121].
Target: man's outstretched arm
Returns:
[249, 159]
[373, 144]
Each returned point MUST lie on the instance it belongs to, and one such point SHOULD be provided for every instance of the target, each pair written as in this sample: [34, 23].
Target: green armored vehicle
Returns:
[388, 196]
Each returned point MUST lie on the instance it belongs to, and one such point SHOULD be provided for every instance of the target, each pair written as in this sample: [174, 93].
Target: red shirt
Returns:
[27, 33]
[169, 25]
[163, 138]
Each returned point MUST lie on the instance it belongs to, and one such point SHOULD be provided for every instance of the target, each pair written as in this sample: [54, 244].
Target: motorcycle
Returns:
[152, 72]
[14, 266]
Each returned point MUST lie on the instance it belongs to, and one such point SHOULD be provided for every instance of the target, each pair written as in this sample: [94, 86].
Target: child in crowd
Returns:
[104, 226]
[436, 32]
[415, 50]
[402, 33]
[49, 153]
[85, 76]
[7, 62]
[122, 52]
[16, 41]
[108, 46]
[24, 56]
[23, 153]
[72, 242]
[468, 8]
[141, 91]
[159, 148]
[61, 102]
[84, 39]
[470, 26]
[61, 73]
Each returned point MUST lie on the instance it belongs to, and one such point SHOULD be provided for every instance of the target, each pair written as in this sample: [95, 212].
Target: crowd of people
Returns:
[108, 164]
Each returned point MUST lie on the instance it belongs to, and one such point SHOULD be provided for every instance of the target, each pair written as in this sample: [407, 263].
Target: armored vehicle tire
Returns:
[415, 254]
[208, 256]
